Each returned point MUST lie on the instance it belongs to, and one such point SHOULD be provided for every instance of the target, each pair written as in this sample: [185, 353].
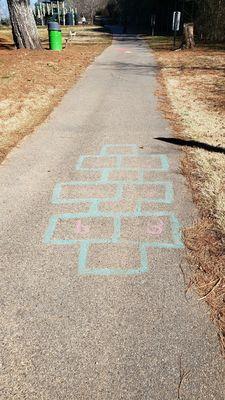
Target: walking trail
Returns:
[93, 294]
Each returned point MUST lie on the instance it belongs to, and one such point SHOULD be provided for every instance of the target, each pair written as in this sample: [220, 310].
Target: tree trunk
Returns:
[212, 18]
[24, 28]
[189, 35]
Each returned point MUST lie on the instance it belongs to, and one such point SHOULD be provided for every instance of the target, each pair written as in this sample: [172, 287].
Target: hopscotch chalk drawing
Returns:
[114, 228]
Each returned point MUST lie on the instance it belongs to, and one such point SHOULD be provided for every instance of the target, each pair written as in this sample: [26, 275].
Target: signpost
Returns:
[153, 22]
[176, 25]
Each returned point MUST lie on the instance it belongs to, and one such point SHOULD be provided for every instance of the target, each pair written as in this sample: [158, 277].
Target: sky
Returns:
[4, 8]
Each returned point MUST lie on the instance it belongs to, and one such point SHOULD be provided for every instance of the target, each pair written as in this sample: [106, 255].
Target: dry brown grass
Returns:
[33, 82]
[194, 83]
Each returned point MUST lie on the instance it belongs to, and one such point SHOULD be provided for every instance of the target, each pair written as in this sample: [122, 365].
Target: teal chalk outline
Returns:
[120, 186]
[119, 161]
[48, 237]
[169, 193]
[175, 230]
[57, 192]
[94, 212]
[98, 156]
[163, 158]
[83, 270]
[115, 238]
[105, 175]
[168, 186]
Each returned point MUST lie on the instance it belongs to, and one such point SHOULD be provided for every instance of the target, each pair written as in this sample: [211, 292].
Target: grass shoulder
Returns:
[33, 82]
[192, 96]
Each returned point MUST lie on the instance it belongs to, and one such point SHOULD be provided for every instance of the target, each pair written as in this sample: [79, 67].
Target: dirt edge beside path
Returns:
[191, 95]
[33, 82]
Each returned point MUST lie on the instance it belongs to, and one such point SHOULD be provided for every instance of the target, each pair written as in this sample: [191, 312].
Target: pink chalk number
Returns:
[156, 229]
[80, 228]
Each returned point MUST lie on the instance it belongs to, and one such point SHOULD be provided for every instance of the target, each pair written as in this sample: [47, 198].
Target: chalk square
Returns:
[150, 192]
[153, 229]
[87, 176]
[96, 162]
[150, 162]
[84, 269]
[118, 207]
[69, 229]
[123, 176]
[89, 192]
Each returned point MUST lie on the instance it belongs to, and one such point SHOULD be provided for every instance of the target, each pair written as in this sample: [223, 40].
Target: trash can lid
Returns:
[54, 26]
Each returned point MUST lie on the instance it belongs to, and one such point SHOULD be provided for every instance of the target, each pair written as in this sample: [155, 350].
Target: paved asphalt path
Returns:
[92, 293]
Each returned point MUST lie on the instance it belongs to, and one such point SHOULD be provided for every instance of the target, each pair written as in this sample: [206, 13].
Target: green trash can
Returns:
[55, 36]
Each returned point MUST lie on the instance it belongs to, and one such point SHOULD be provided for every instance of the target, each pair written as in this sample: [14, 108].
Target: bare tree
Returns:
[88, 8]
[211, 19]
[24, 28]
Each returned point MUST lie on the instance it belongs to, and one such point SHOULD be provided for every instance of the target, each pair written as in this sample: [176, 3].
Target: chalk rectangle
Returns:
[149, 192]
[112, 259]
[119, 207]
[71, 229]
[145, 229]
[151, 162]
[75, 192]
[96, 162]
[156, 229]
[123, 176]
[87, 176]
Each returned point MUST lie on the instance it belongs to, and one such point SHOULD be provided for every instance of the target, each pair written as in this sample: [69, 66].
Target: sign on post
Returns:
[176, 25]
[153, 22]
[176, 21]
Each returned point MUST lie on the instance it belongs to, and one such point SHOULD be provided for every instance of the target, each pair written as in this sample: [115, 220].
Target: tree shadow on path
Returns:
[193, 144]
